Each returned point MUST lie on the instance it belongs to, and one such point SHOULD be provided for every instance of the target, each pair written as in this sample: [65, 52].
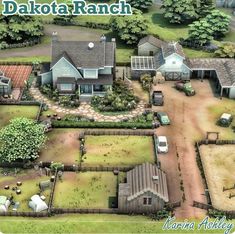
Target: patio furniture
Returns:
[7, 187]
[18, 191]
[19, 183]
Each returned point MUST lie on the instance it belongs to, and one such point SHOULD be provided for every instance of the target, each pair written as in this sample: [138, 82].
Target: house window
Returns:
[147, 201]
[174, 62]
[99, 88]
[91, 73]
[151, 53]
[86, 89]
[66, 87]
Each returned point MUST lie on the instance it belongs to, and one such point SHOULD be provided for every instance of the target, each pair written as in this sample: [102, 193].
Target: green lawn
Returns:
[30, 180]
[8, 112]
[215, 111]
[85, 190]
[62, 146]
[118, 150]
[91, 223]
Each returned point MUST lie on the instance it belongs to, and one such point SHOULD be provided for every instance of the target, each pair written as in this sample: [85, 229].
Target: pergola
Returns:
[143, 63]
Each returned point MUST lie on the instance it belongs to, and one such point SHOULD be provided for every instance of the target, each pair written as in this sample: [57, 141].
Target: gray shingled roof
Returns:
[66, 80]
[171, 48]
[152, 40]
[140, 180]
[80, 55]
[225, 69]
[102, 80]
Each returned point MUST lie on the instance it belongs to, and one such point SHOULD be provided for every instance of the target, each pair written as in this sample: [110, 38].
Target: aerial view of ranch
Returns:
[119, 120]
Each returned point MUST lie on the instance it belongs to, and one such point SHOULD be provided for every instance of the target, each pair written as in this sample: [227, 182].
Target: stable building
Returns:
[145, 190]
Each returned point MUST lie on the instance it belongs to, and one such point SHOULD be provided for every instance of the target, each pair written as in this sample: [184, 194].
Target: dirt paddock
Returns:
[219, 166]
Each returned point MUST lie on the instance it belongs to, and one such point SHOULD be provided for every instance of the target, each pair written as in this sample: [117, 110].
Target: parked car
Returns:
[186, 87]
[162, 144]
[157, 98]
[163, 118]
[225, 120]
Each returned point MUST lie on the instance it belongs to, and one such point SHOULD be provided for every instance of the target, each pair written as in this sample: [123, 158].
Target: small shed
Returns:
[37, 204]
[43, 185]
[145, 191]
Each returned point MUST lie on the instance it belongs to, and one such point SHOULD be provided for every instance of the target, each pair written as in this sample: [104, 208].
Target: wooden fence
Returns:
[25, 214]
[51, 198]
[202, 205]
[85, 211]
[118, 132]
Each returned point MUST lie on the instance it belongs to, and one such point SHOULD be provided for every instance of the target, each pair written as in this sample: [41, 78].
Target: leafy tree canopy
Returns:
[201, 32]
[204, 7]
[140, 4]
[180, 11]
[130, 28]
[19, 28]
[219, 22]
[21, 140]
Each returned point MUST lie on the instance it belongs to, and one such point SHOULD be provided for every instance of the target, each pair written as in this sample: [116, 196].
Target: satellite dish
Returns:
[91, 45]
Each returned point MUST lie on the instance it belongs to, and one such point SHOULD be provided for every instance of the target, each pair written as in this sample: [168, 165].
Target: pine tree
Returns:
[204, 7]
[140, 4]
[180, 11]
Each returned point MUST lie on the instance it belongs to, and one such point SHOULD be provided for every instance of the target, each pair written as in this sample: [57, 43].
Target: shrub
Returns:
[86, 124]
[146, 81]
[226, 50]
[120, 99]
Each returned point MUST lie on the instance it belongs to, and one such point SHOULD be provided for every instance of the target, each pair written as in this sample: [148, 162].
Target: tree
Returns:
[219, 22]
[21, 140]
[140, 4]
[65, 19]
[130, 28]
[180, 11]
[200, 32]
[226, 50]
[204, 7]
[19, 28]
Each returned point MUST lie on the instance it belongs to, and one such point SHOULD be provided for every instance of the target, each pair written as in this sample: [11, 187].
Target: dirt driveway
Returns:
[190, 122]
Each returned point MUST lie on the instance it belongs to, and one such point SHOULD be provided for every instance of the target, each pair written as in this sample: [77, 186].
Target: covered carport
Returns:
[221, 70]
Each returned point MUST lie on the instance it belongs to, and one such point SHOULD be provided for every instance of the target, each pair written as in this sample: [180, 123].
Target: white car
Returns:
[162, 145]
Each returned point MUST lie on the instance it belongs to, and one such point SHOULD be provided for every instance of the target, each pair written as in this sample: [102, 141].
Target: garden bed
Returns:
[30, 186]
[118, 150]
[218, 163]
[8, 112]
[85, 190]
[62, 146]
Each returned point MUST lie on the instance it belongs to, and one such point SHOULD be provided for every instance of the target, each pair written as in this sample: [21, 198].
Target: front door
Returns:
[86, 89]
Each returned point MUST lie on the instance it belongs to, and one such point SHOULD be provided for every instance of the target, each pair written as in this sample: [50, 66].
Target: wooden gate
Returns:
[173, 76]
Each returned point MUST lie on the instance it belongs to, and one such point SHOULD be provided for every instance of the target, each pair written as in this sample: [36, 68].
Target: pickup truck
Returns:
[157, 98]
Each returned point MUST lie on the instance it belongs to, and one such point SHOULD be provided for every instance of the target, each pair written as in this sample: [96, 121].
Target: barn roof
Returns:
[225, 69]
[152, 40]
[172, 48]
[147, 178]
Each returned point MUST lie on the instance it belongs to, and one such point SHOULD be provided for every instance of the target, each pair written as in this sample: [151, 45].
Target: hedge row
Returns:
[85, 124]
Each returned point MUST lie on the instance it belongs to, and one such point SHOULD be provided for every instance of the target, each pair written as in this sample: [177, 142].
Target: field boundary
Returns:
[209, 205]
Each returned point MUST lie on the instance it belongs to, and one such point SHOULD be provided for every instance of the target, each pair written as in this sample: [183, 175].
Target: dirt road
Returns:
[189, 123]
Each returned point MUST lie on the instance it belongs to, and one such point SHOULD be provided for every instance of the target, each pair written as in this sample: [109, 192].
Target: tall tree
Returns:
[19, 28]
[130, 28]
[219, 22]
[21, 140]
[140, 4]
[180, 11]
[204, 7]
[200, 32]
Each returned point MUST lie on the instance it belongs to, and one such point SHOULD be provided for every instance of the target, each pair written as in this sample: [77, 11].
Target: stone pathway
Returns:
[85, 109]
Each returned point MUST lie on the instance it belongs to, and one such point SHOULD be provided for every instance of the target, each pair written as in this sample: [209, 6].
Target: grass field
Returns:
[118, 150]
[30, 180]
[89, 224]
[219, 167]
[215, 111]
[8, 112]
[85, 190]
[62, 146]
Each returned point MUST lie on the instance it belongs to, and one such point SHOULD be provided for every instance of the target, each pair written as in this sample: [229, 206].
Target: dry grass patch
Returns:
[219, 166]
[62, 146]
[118, 150]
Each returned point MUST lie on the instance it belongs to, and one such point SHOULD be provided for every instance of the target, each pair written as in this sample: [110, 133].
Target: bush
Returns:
[120, 99]
[146, 81]
[226, 50]
[86, 124]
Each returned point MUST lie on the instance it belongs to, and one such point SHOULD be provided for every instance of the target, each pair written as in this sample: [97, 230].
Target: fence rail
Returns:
[85, 211]
[25, 214]
[118, 132]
